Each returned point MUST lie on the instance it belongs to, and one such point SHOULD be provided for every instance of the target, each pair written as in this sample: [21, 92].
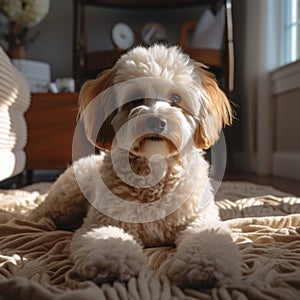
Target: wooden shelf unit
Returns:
[89, 64]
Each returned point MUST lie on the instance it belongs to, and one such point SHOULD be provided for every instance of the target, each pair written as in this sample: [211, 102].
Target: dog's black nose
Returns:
[156, 124]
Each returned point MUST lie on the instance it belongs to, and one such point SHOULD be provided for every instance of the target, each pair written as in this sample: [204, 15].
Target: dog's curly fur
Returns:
[181, 110]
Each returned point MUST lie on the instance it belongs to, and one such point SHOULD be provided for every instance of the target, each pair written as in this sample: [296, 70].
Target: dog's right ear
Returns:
[95, 106]
[216, 111]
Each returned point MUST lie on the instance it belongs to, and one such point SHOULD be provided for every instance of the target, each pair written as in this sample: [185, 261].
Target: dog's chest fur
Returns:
[180, 205]
[138, 187]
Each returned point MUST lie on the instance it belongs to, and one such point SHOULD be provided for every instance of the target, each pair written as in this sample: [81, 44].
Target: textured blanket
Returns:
[35, 263]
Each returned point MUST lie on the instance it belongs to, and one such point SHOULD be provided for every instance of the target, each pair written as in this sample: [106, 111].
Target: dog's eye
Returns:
[134, 100]
[132, 103]
[175, 98]
[138, 102]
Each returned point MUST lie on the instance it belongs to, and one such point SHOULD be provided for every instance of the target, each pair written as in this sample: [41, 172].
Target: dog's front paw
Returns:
[205, 260]
[109, 259]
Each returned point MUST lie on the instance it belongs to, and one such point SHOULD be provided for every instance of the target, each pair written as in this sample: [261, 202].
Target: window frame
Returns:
[291, 45]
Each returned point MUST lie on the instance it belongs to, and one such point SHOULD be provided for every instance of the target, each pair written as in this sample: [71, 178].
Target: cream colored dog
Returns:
[153, 113]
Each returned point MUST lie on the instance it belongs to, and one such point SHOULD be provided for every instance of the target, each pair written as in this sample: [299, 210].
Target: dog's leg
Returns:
[205, 257]
[105, 254]
[65, 204]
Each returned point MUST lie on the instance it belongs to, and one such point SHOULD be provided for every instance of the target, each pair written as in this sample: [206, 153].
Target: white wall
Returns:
[286, 101]
[54, 43]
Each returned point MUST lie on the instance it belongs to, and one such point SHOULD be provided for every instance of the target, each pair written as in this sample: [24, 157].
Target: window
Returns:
[292, 30]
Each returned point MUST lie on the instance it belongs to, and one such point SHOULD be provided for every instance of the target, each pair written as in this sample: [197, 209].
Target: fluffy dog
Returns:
[153, 113]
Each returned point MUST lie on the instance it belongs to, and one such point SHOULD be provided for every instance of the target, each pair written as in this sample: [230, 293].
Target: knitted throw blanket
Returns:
[35, 263]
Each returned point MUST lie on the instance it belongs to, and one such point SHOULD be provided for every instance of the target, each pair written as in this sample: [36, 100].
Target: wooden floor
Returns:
[283, 184]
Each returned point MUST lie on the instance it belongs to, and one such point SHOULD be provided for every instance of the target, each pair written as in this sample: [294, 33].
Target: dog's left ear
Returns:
[94, 108]
[215, 111]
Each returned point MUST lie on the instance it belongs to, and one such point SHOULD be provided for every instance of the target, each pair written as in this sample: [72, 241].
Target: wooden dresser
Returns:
[51, 121]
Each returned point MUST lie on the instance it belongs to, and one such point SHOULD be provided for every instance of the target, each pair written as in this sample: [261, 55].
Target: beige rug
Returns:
[35, 264]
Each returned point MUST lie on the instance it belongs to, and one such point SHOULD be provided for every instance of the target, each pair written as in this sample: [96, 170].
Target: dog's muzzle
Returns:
[156, 124]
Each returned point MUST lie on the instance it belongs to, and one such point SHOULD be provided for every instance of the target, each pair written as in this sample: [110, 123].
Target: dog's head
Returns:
[154, 101]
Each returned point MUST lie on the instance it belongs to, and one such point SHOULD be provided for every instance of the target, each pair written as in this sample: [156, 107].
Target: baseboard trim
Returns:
[287, 164]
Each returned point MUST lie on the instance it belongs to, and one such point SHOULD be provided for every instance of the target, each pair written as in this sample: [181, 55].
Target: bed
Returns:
[35, 262]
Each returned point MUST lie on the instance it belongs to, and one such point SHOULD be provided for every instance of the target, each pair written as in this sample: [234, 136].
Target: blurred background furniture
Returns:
[14, 102]
[88, 64]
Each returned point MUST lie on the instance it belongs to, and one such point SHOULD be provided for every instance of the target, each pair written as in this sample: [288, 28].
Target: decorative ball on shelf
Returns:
[122, 36]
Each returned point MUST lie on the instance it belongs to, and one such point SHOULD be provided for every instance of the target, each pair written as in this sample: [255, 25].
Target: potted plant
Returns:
[21, 15]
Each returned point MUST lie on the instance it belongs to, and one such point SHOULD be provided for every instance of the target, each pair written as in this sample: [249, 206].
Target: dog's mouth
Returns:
[154, 144]
[152, 138]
